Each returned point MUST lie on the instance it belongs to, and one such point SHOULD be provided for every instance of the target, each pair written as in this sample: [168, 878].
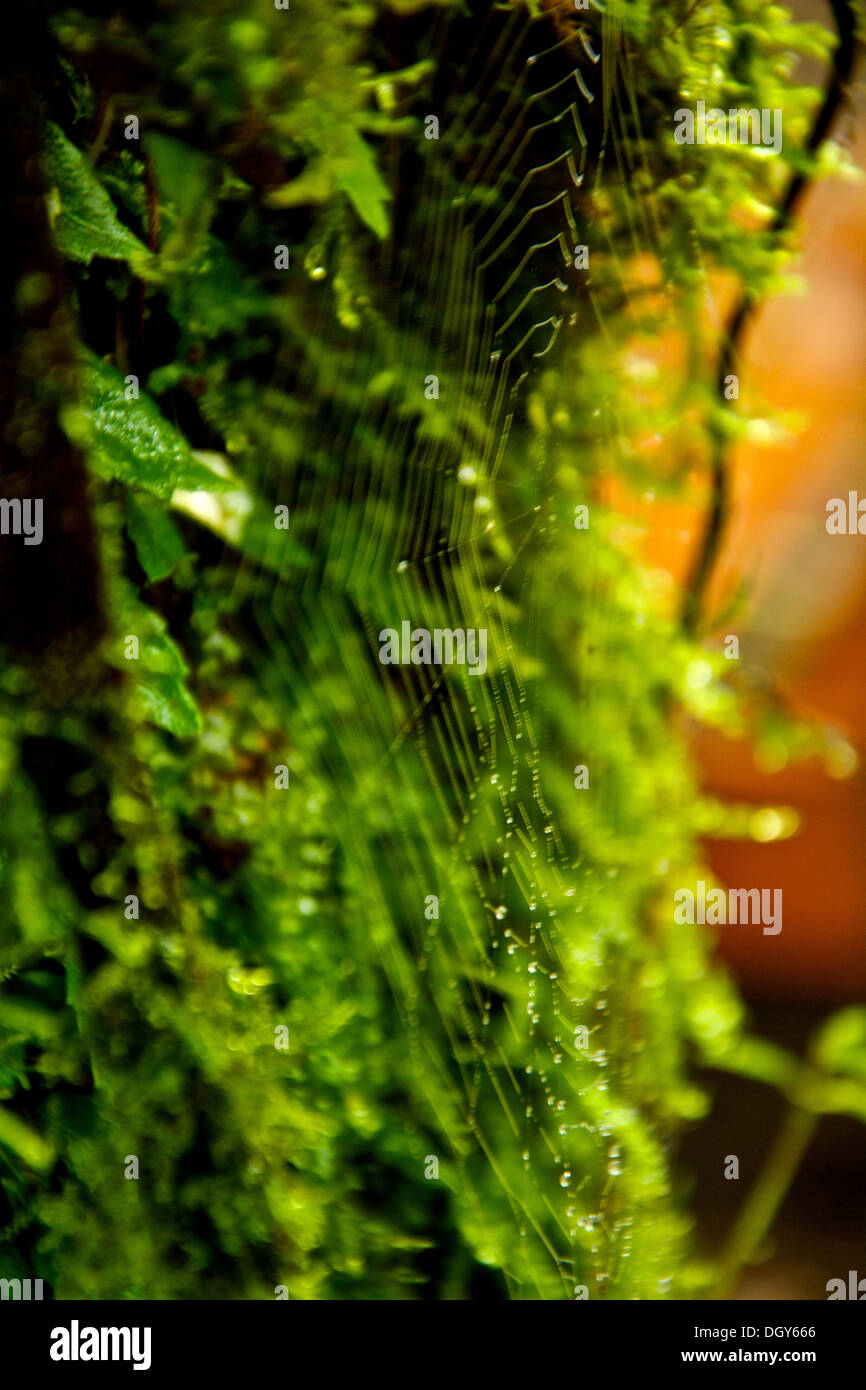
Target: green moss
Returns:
[154, 792]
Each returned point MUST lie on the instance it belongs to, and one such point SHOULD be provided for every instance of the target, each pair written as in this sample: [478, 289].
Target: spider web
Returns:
[444, 512]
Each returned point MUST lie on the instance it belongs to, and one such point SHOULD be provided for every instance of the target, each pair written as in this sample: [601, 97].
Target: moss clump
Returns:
[384, 1003]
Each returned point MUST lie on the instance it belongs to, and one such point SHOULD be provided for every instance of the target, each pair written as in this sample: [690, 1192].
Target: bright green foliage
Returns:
[84, 221]
[151, 1032]
[127, 438]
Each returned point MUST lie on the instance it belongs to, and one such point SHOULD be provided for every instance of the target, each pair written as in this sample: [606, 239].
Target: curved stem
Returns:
[766, 1197]
[845, 14]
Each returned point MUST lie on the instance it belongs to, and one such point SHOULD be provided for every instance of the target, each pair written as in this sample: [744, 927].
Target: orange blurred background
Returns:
[802, 625]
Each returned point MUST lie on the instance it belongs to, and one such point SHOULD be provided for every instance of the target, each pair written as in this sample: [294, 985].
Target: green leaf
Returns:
[83, 218]
[163, 683]
[208, 290]
[132, 441]
[836, 1097]
[358, 176]
[29, 1018]
[170, 705]
[159, 671]
[841, 1043]
[157, 540]
[30, 1147]
[185, 180]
